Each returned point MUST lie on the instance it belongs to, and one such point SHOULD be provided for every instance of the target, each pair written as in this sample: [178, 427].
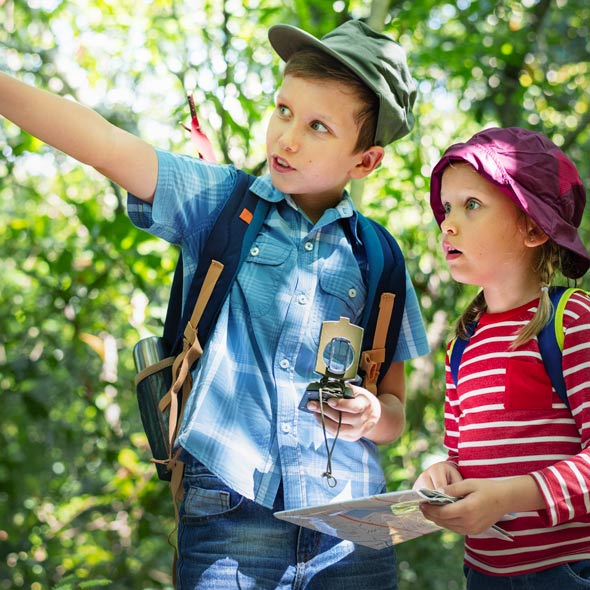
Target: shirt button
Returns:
[308, 246]
[352, 293]
[254, 251]
[284, 364]
[302, 299]
[286, 428]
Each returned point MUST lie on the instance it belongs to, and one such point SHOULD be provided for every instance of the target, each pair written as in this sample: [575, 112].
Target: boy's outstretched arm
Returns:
[81, 133]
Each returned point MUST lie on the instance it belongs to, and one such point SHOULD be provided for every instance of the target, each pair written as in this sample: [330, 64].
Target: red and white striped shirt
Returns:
[504, 419]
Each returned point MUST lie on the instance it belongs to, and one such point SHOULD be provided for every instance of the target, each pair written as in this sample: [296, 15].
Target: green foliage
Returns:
[73, 583]
[80, 506]
[432, 562]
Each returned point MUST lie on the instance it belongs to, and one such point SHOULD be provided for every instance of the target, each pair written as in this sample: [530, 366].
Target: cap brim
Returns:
[287, 39]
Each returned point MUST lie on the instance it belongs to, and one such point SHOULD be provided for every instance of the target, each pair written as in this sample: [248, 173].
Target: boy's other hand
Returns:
[359, 414]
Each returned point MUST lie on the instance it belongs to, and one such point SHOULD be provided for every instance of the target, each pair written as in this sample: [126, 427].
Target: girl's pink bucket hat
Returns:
[531, 170]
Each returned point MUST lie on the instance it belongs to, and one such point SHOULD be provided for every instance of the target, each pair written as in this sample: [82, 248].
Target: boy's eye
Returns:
[283, 110]
[319, 126]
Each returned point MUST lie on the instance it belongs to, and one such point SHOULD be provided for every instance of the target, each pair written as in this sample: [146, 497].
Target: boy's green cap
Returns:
[375, 58]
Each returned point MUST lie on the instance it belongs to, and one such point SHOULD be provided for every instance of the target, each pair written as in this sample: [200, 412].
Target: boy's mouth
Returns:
[281, 165]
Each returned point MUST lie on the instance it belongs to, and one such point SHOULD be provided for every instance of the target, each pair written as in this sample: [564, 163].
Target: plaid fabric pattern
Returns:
[243, 419]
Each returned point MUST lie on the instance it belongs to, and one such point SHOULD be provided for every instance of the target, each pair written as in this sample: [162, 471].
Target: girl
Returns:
[509, 204]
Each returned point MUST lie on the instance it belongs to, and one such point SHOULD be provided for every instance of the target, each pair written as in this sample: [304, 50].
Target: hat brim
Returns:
[287, 40]
[565, 235]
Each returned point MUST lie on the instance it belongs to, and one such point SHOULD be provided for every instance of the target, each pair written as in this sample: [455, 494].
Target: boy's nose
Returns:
[289, 141]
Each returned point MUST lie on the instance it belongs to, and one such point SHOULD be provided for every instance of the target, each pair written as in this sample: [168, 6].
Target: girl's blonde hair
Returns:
[548, 262]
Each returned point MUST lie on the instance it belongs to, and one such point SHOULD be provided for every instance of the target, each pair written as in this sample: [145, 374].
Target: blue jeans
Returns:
[571, 576]
[226, 541]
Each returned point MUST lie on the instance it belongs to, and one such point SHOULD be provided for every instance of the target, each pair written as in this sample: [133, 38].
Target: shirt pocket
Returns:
[266, 270]
[341, 293]
[528, 386]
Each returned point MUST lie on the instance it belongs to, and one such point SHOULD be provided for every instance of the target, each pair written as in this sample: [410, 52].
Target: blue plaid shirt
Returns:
[243, 420]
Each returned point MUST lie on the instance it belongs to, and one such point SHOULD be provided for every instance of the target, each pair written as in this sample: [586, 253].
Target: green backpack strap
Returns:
[551, 339]
[559, 308]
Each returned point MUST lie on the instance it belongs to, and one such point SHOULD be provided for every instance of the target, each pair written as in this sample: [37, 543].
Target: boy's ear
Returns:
[369, 160]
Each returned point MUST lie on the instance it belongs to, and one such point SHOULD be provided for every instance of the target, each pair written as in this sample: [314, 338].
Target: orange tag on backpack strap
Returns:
[246, 215]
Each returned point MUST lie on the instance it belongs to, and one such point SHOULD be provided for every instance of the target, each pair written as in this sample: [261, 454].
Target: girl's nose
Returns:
[448, 227]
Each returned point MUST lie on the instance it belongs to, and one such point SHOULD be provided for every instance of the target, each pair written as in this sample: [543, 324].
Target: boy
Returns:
[248, 450]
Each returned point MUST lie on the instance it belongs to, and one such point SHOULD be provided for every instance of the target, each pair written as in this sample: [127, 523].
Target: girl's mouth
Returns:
[450, 251]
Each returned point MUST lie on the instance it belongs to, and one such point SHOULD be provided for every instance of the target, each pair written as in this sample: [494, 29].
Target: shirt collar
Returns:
[344, 210]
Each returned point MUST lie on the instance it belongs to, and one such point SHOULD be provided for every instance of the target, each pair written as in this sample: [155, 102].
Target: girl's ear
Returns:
[534, 235]
[369, 160]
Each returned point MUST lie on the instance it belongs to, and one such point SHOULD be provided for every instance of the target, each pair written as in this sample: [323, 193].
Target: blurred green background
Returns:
[80, 506]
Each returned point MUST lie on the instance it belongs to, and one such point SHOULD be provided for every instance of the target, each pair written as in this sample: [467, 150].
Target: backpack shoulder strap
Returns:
[229, 242]
[386, 296]
[174, 310]
[235, 228]
[237, 224]
[551, 338]
[456, 350]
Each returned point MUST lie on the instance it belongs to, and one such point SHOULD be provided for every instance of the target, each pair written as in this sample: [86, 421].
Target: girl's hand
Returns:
[359, 415]
[438, 476]
[481, 505]
[484, 502]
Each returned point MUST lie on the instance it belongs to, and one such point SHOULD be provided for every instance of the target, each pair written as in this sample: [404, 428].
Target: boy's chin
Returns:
[280, 183]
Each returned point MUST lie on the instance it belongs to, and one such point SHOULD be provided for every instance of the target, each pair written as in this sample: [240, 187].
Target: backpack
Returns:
[550, 340]
[164, 385]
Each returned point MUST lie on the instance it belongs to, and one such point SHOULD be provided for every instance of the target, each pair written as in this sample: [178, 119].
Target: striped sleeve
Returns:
[565, 485]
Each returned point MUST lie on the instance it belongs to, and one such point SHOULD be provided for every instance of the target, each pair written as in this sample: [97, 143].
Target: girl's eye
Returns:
[471, 204]
[317, 126]
[447, 208]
